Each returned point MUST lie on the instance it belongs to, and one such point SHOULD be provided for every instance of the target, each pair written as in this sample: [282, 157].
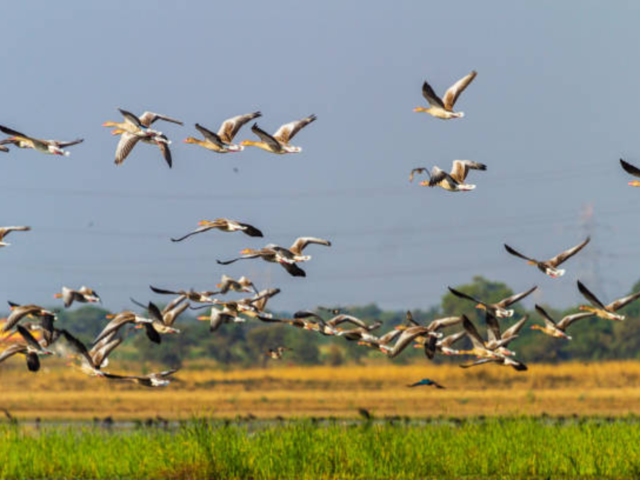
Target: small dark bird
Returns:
[426, 381]
[364, 413]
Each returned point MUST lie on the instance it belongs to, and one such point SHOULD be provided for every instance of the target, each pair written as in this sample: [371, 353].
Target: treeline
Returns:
[244, 344]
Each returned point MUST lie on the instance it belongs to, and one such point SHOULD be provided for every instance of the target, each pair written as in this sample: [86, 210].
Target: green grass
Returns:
[497, 447]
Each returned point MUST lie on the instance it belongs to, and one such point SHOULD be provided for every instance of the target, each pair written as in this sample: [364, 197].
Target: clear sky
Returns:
[553, 107]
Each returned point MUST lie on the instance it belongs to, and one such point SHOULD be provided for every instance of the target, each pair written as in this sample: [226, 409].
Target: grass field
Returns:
[201, 390]
[498, 448]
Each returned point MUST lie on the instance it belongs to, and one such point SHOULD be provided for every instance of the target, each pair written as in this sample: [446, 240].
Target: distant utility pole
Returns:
[589, 269]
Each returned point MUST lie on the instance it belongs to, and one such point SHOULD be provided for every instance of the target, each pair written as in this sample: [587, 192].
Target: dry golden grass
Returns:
[58, 392]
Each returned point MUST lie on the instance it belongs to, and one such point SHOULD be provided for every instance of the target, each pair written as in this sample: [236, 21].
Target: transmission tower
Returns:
[589, 270]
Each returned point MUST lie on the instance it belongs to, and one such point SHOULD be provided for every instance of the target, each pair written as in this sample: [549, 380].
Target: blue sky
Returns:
[553, 108]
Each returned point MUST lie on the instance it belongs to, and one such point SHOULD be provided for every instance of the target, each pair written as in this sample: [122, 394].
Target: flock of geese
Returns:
[134, 129]
[37, 334]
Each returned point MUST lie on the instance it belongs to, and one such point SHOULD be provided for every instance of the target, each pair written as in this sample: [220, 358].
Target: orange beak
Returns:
[203, 317]
[203, 223]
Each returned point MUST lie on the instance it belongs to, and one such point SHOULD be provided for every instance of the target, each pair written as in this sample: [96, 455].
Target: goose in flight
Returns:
[217, 317]
[550, 267]
[158, 379]
[502, 361]
[279, 141]
[433, 345]
[454, 181]
[276, 353]
[52, 147]
[136, 128]
[161, 321]
[287, 257]
[558, 329]
[223, 224]
[405, 339]
[443, 107]
[191, 295]
[633, 170]
[497, 340]
[331, 327]
[81, 295]
[120, 320]
[316, 324]
[31, 349]
[243, 284]
[480, 348]
[88, 364]
[221, 142]
[605, 311]
[255, 305]
[18, 312]
[499, 309]
[4, 231]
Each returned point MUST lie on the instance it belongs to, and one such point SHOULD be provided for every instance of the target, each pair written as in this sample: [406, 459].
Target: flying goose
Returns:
[100, 352]
[480, 348]
[330, 327]
[454, 181]
[287, 257]
[52, 147]
[276, 353]
[251, 307]
[223, 224]
[228, 314]
[221, 142]
[550, 267]
[31, 349]
[158, 139]
[404, 340]
[255, 305]
[88, 364]
[605, 311]
[191, 295]
[502, 361]
[433, 345]
[243, 284]
[279, 141]
[316, 324]
[81, 295]
[4, 231]
[134, 129]
[443, 108]
[498, 341]
[158, 379]
[633, 170]
[499, 309]
[161, 321]
[558, 329]
[120, 320]
[18, 312]
[369, 340]
[434, 325]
